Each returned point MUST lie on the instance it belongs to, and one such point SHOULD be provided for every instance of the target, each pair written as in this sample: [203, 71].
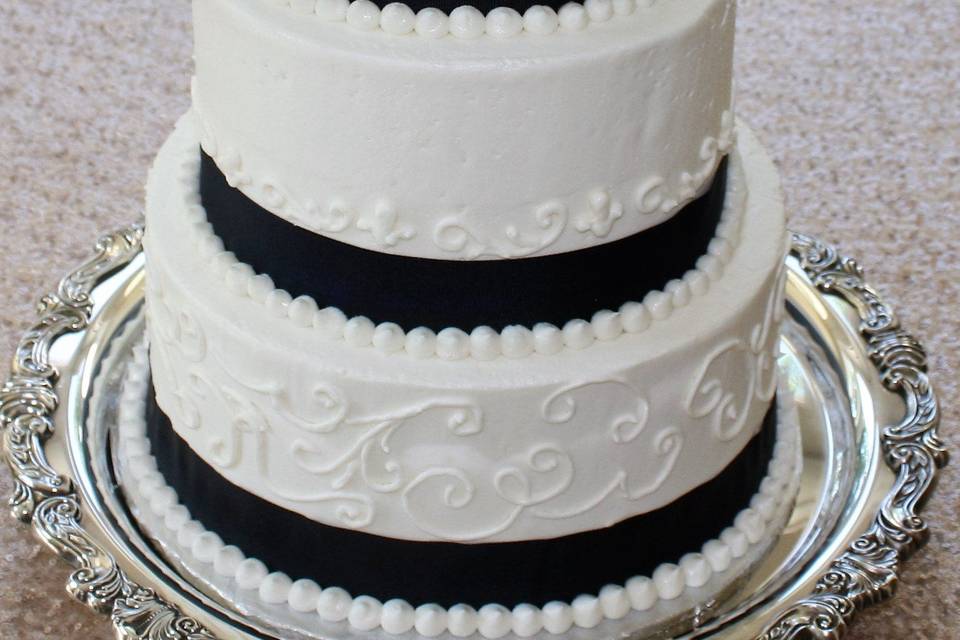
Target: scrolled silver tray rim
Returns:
[50, 487]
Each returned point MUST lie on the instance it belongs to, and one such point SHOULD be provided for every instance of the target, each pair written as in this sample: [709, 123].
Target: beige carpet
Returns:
[858, 101]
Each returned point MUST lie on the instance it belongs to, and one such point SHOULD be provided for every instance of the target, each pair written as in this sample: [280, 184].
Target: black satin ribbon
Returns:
[510, 573]
[414, 292]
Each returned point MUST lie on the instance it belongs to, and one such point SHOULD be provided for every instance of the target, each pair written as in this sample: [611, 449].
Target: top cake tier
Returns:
[466, 136]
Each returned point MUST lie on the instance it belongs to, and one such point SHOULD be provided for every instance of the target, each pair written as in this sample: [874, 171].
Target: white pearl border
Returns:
[145, 484]
[465, 22]
[481, 343]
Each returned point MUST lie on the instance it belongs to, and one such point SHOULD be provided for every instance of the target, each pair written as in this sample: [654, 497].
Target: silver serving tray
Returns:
[871, 455]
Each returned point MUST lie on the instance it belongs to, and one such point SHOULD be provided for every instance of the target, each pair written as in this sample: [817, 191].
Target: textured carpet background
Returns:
[858, 102]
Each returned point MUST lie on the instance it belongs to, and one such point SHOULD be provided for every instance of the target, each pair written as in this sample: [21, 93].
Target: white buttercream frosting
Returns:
[485, 145]
[436, 452]
[752, 527]
[451, 343]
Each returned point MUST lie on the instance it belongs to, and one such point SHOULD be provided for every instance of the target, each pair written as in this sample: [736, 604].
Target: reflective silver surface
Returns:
[871, 453]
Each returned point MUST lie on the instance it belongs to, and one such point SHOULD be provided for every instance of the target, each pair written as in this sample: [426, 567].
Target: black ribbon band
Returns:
[535, 571]
[414, 292]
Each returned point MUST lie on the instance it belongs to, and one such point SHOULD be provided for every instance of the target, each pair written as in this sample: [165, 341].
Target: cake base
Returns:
[700, 577]
[67, 492]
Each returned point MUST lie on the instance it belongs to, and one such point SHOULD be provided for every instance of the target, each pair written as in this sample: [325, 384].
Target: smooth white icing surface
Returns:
[466, 149]
[482, 343]
[760, 522]
[506, 449]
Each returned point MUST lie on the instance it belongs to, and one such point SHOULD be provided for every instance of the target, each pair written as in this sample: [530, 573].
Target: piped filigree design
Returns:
[46, 498]
[727, 400]
[864, 575]
[868, 571]
[545, 226]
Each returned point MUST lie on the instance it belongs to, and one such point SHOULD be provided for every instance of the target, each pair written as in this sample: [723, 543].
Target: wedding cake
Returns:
[463, 319]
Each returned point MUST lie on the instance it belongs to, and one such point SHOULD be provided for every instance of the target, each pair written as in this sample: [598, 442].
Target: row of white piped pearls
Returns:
[482, 343]
[465, 21]
[396, 616]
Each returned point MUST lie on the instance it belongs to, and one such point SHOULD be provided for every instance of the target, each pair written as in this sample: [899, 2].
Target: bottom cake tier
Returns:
[470, 435]
[696, 545]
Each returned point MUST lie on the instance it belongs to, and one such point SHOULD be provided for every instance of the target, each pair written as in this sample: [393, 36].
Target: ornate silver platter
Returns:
[868, 414]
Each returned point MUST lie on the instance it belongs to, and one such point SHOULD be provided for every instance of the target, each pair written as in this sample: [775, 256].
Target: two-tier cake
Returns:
[463, 321]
